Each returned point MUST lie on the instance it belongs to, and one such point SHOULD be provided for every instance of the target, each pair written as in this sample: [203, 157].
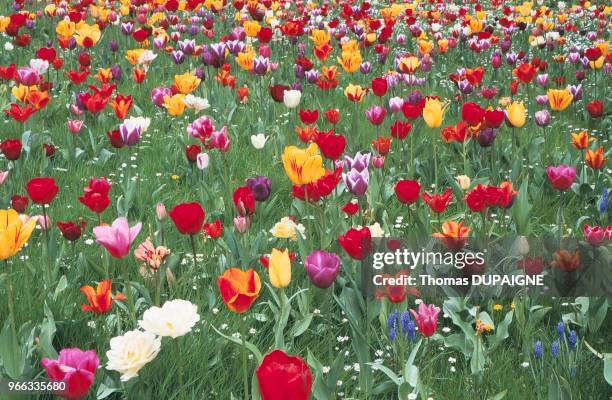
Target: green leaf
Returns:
[301, 326]
[12, 355]
[499, 395]
[608, 367]
[250, 346]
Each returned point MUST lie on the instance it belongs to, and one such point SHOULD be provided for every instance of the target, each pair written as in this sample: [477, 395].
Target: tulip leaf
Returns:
[12, 355]
[302, 325]
[250, 346]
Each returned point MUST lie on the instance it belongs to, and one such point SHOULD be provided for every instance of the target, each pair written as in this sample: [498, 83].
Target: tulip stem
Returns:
[560, 217]
[128, 289]
[245, 378]
[46, 229]
[193, 250]
[435, 151]
[11, 301]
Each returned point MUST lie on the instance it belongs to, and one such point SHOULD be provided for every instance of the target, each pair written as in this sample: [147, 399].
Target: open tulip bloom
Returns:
[295, 200]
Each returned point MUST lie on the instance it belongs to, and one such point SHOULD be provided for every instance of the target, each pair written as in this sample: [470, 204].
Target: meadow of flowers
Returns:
[190, 190]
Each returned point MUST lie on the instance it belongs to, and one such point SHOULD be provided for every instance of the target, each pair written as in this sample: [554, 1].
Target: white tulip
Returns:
[292, 98]
[197, 103]
[142, 122]
[132, 351]
[40, 66]
[258, 141]
[175, 318]
[202, 161]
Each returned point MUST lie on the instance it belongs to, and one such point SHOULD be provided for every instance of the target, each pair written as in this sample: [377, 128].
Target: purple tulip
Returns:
[158, 94]
[130, 132]
[260, 186]
[486, 137]
[322, 268]
[542, 118]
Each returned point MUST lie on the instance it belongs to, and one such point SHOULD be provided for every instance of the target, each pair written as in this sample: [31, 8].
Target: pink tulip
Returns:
[3, 177]
[118, 237]
[426, 318]
[76, 368]
[220, 140]
[75, 126]
[594, 235]
[43, 222]
[376, 115]
[561, 177]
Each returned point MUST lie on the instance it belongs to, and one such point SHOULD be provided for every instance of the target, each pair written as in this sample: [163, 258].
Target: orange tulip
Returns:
[239, 289]
[453, 235]
[581, 140]
[595, 159]
[100, 299]
[122, 105]
[566, 261]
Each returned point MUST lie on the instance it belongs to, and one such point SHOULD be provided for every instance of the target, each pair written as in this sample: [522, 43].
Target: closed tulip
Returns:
[561, 177]
[279, 268]
[516, 114]
[322, 268]
[13, 233]
[433, 112]
[283, 377]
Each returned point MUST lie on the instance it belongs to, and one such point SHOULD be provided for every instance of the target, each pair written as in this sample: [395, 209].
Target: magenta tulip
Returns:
[75, 368]
[426, 318]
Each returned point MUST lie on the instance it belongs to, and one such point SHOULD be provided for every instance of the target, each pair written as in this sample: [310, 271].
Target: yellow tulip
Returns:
[303, 166]
[279, 268]
[559, 99]
[175, 104]
[245, 60]
[87, 35]
[65, 29]
[350, 61]
[516, 114]
[133, 55]
[354, 92]
[251, 28]
[409, 64]
[320, 37]
[433, 112]
[13, 233]
[187, 82]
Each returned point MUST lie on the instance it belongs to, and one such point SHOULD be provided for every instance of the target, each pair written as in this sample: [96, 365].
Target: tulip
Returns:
[11, 148]
[322, 268]
[260, 187]
[130, 352]
[454, 235]
[244, 201]
[72, 231]
[101, 298]
[426, 318]
[376, 115]
[3, 176]
[279, 268]
[130, 132]
[542, 118]
[220, 140]
[561, 177]
[303, 166]
[594, 235]
[559, 100]
[118, 237]
[173, 319]
[258, 141]
[13, 233]
[292, 98]
[75, 126]
[596, 159]
[463, 181]
[42, 190]
[407, 191]
[516, 115]
[75, 368]
[283, 377]
[433, 112]
[242, 223]
[239, 289]
[356, 242]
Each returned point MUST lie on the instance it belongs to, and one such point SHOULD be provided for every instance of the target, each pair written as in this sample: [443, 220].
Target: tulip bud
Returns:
[160, 211]
[378, 161]
[463, 181]
[242, 223]
[202, 161]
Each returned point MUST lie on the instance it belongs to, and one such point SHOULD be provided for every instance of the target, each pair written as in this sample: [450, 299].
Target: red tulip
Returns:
[595, 108]
[525, 72]
[399, 129]
[331, 145]
[213, 230]
[476, 199]
[11, 148]
[19, 203]
[192, 151]
[309, 117]
[438, 202]
[407, 191]
[332, 115]
[472, 113]
[95, 196]
[357, 242]
[188, 218]
[71, 230]
[42, 190]
[244, 201]
[494, 118]
[379, 86]
[350, 208]
[283, 377]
